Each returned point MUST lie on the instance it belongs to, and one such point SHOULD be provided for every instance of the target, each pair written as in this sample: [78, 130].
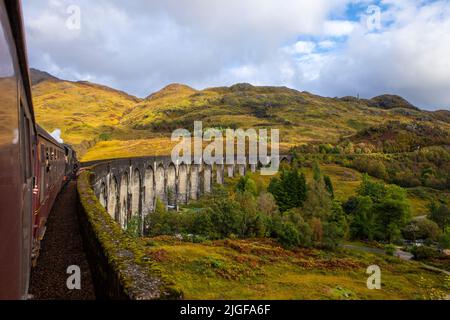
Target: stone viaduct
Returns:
[129, 187]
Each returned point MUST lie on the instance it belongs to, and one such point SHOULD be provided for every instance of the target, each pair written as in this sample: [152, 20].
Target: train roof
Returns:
[44, 134]
[14, 9]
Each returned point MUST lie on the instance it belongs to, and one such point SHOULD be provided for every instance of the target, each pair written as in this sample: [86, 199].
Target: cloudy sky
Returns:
[328, 47]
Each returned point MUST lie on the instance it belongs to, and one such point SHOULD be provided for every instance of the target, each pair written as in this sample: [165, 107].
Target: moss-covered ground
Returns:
[261, 269]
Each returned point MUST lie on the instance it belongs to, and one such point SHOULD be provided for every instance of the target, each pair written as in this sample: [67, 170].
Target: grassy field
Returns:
[122, 149]
[261, 269]
[151, 146]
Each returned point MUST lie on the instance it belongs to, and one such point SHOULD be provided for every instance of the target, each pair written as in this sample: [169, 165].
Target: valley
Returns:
[370, 170]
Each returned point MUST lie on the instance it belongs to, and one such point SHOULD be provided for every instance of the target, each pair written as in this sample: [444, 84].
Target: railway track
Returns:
[62, 247]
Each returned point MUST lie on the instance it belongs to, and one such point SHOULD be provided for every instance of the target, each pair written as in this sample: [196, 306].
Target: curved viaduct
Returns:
[130, 187]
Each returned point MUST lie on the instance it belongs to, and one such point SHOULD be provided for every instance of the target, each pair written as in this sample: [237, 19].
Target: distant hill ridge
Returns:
[38, 76]
[172, 89]
[88, 113]
[384, 101]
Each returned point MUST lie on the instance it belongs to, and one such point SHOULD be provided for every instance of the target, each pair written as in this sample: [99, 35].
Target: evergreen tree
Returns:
[246, 184]
[317, 173]
[289, 189]
[329, 185]
[440, 214]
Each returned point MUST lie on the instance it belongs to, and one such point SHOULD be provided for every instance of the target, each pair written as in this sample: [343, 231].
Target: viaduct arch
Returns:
[131, 187]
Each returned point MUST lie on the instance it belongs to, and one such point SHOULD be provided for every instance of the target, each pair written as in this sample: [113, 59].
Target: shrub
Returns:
[246, 184]
[295, 216]
[444, 239]
[388, 213]
[332, 233]
[374, 167]
[424, 253]
[375, 190]
[282, 226]
[161, 222]
[104, 137]
[440, 214]
[288, 235]
[202, 224]
[134, 226]
[363, 225]
[390, 249]
[252, 222]
[421, 229]
[226, 217]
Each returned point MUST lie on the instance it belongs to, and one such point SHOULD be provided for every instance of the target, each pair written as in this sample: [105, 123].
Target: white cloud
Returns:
[301, 47]
[140, 46]
[409, 57]
[336, 28]
[326, 44]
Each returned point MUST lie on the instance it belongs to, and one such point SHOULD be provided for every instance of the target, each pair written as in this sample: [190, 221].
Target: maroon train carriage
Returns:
[33, 165]
[50, 167]
[17, 151]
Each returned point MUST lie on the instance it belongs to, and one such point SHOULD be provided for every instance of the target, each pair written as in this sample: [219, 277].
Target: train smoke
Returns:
[56, 134]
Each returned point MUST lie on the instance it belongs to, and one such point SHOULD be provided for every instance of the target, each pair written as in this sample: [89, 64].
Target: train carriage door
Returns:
[26, 134]
[42, 187]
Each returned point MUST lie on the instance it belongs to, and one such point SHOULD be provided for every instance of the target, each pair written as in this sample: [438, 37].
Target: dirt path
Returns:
[62, 247]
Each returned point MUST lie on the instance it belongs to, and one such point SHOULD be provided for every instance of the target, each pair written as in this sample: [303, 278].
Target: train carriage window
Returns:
[43, 172]
[47, 159]
[25, 145]
[51, 166]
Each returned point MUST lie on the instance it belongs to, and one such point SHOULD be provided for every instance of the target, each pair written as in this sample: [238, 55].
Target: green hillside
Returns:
[83, 111]
[102, 122]
[301, 116]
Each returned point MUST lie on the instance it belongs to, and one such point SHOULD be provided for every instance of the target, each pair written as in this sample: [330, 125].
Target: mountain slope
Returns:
[90, 114]
[83, 111]
[38, 76]
[300, 116]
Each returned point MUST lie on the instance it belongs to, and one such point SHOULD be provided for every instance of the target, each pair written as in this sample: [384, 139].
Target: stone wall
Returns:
[118, 263]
